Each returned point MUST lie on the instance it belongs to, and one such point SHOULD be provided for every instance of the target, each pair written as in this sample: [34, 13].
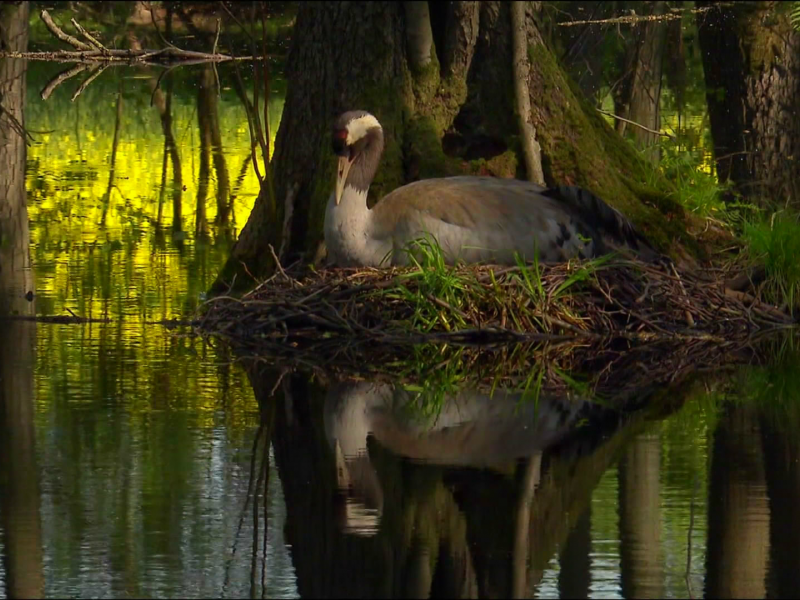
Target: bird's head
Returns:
[356, 133]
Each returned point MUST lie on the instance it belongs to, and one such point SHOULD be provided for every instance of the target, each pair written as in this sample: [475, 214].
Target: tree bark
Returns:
[453, 115]
[639, 94]
[751, 59]
[19, 483]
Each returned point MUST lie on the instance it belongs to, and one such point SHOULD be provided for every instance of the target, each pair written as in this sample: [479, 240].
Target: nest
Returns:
[484, 304]
[496, 325]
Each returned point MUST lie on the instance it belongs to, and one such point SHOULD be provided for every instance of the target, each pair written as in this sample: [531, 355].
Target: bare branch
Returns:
[59, 33]
[634, 123]
[88, 36]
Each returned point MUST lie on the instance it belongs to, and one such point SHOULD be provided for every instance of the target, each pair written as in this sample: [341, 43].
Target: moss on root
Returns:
[581, 149]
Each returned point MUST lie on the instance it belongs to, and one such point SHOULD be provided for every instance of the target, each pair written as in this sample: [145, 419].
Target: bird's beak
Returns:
[341, 177]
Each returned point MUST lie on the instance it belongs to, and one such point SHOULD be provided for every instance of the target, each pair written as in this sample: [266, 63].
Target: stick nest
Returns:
[604, 299]
[611, 327]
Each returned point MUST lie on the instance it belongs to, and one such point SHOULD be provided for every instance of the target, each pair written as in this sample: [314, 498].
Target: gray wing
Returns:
[480, 219]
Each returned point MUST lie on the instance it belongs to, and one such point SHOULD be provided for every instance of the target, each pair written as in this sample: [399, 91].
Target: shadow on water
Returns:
[136, 461]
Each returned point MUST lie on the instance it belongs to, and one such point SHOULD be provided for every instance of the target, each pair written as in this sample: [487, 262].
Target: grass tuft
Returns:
[774, 241]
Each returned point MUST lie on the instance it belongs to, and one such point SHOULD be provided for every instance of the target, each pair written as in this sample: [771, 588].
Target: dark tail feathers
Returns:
[604, 221]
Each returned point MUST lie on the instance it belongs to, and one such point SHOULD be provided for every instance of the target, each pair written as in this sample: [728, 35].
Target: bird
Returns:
[473, 219]
[471, 428]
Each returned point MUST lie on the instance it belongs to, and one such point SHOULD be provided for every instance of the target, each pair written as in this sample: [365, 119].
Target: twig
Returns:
[278, 263]
[88, 36]
[155, 26]
[689, 318]
[16, 126]
[214, 65]
[634, 123]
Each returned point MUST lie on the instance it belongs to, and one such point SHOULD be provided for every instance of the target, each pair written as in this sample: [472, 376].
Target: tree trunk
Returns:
[16, 277]
[751, 59]
[19, 483]
[640, 90]
[451, 113]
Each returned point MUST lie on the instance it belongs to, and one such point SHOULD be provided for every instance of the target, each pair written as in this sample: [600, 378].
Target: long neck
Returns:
[362, 172]
[349, 225]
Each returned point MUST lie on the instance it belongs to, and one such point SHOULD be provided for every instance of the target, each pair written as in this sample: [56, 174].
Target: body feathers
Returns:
[472, 219]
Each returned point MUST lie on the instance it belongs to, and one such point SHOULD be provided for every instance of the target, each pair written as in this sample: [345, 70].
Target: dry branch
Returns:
[95, 51]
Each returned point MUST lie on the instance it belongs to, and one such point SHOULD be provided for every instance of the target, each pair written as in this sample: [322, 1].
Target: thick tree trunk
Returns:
[450, 113]
[16, 277]
[19, 483]
[751, 59]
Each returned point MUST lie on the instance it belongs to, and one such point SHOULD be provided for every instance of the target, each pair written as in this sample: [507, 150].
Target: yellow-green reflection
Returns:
[144, 435]
[105, 255]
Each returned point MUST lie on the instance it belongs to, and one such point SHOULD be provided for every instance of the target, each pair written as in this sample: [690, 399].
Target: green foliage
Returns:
[436, 280]
[773, 388]
[696, 187]
[794, 15]
[775, 242]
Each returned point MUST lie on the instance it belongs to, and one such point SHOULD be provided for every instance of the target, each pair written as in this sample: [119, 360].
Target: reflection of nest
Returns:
[620, 327]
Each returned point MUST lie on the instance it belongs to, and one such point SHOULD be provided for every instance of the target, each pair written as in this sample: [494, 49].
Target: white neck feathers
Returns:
[349, 231]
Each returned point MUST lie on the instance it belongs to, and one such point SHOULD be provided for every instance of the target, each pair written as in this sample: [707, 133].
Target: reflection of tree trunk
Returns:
[641, 559]
[163, 103]
[19, 485]
[751, 61]
[639, 95]
[738, 510]
[522, 542]
[211, 143]
[575, 573]
[238, 185]
[113, 166]
[782, 454]
[211, 105]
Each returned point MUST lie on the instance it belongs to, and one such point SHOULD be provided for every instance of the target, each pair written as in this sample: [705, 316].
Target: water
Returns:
[132, 457]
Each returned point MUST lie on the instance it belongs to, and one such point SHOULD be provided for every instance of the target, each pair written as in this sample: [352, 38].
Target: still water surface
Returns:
[134, 462]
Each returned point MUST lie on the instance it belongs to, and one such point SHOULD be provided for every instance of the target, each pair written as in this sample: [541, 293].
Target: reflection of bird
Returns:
[470, 429]
[473, 219]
